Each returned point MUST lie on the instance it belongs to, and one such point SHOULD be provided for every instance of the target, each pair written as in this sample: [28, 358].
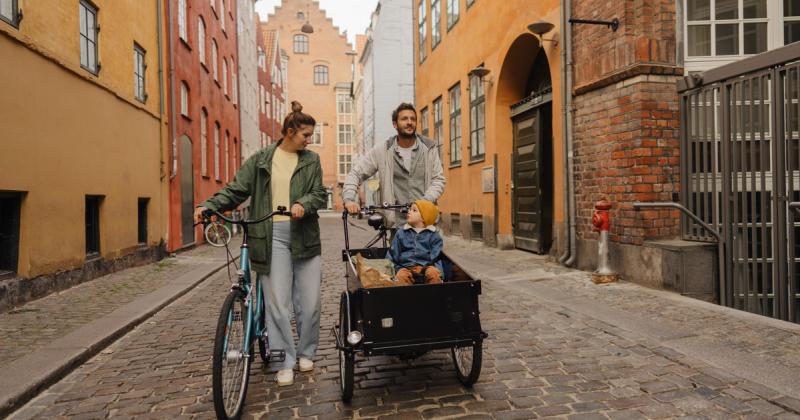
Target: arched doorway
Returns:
[528, 88]
[187, 191]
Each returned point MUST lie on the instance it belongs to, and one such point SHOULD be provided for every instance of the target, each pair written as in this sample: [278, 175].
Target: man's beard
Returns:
[402, 133]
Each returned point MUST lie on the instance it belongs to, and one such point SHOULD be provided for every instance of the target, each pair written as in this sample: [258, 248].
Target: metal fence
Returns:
[740, 170]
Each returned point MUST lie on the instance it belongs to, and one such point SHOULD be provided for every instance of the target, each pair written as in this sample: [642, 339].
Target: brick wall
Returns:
[626, 116]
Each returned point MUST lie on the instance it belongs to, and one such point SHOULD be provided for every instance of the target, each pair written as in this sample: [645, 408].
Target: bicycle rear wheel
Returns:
[230, 368]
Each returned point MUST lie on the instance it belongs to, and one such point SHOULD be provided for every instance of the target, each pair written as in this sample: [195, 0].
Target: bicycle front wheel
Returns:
[230, 368]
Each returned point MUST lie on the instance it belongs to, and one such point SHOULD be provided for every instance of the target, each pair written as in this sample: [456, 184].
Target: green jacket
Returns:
[253, 180]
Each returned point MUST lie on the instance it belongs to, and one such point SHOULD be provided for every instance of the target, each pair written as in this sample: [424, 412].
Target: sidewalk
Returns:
[758, 350]
[43, 340]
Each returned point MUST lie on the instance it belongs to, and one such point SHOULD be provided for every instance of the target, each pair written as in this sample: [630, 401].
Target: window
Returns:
[455, 125]
[423, 115]
[317, 137]
[469, 2]
[182, 20]
[345, 164]
[201, 39]
[214, 63]
[345, 134]
[301, 16]
[93, 225]
[453, 12]
[235, 165]
[222, 14]
[88, 37]
[301, 44]
[477, 118]
[726, 27]
[213, 4]
[437, 120]
[344, 104]
[10, 203]
[226, 154]
[184, 99]
[139, 67]
[225, 76]
[422, 36]
[436, 22]
[9, 12]
[320, 75]
[791, 21]
[204, 142]
[234, 87]
[142, 220]
[216, 151]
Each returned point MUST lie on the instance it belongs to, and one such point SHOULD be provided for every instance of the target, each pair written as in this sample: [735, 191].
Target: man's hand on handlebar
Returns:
[352, 207]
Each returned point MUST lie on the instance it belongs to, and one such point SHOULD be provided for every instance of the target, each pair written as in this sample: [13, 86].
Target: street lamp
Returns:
[481, 73]
[540, 28]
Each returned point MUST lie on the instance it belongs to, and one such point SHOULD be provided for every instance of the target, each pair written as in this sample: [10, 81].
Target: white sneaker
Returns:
[306, 365]
[285, 377]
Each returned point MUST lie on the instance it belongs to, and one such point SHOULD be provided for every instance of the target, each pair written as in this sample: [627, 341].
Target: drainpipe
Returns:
[164, 204]
[173, 130]
[571, 252]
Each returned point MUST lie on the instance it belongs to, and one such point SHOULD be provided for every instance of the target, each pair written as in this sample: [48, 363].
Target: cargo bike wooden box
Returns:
[406, 320]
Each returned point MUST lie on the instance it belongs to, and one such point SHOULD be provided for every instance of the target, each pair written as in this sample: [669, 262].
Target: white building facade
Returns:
[248, 77]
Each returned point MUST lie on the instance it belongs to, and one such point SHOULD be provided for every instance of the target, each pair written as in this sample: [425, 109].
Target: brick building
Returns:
[204, 151]
[272, 78]
[82, 174]
[321, 76]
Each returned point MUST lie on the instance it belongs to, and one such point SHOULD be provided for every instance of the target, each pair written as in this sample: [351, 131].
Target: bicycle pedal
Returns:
[277, 355]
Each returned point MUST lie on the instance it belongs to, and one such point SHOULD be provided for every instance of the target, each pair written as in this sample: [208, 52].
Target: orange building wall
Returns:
[485, 34]
[326, 46]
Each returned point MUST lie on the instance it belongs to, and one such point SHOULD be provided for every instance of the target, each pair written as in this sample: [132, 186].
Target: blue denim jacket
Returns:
[410, 248]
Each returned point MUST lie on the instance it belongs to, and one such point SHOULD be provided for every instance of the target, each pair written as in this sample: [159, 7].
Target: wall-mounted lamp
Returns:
[613, 23]
[307, 28]
[481, 72]
[540, 28]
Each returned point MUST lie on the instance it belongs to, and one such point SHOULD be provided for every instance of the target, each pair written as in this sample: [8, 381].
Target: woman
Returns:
[284, 251]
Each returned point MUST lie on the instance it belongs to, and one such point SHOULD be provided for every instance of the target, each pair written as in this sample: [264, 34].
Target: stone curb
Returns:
[25, 378]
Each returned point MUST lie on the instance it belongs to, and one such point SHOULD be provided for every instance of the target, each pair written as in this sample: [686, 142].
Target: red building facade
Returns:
[205, 150]
[272, 66]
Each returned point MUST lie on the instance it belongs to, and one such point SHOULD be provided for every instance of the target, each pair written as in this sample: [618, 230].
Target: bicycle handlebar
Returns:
[281, 211]
[367, 210]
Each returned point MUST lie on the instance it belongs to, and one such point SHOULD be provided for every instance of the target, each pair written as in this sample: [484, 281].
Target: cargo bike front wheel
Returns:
[467, 361]
[347, 358]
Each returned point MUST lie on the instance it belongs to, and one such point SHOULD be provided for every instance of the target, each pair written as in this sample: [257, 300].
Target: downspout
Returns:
[159, 23]
[571, 252]
[173, 130]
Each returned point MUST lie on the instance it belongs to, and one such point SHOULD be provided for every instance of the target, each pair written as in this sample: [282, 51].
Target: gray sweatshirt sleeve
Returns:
[436, 189]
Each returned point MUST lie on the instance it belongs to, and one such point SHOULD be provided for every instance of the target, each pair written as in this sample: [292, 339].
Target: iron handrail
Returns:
[684, 210]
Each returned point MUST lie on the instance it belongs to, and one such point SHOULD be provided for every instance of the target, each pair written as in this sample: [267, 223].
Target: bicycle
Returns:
[241, 323]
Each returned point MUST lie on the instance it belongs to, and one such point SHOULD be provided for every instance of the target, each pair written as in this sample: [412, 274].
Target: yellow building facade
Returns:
[493, 94]
[84, 135]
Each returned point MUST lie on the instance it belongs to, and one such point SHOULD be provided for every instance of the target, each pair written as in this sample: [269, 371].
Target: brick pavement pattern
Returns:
[541, 360]
[30, 327]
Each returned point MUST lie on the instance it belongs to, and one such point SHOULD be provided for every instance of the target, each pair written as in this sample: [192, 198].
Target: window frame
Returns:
[225, 77]
[217, 171]
[451, 24]
[93, 235]
[477, 134]
[324, 78]
[140, 79]
[185, 99]
[201, 40]
[422, 30]
[301, 44]
[86, 7]
[438, 121]
[183, 27]
[204, 142]
[454, 141]
[215, 59]
[348, 163]
[424, 113]
[142, 208]
[470, 3]
[14, 19]
[317, 134]
[436, 23]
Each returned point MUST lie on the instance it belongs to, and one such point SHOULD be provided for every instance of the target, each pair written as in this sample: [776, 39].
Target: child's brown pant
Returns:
[432, 275]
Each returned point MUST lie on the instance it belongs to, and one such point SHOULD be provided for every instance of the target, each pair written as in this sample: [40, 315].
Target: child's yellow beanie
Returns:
[428, 210]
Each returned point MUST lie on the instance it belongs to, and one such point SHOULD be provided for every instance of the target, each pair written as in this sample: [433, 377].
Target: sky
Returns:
[350, 15]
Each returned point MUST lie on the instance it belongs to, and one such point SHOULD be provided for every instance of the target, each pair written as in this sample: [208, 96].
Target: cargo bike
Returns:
[406, 321]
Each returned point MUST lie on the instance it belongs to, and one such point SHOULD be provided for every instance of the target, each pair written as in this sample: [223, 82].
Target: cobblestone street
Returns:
[543, 358]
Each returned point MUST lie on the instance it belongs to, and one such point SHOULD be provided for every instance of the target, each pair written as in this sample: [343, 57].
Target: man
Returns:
[407, 164]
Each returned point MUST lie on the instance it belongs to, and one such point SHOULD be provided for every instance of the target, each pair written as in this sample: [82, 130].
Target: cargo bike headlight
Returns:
[354, 337]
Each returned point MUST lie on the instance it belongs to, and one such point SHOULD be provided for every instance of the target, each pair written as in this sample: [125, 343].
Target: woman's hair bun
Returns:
[296, 107]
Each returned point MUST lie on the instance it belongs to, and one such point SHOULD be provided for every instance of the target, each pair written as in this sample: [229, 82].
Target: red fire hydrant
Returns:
[601, 222]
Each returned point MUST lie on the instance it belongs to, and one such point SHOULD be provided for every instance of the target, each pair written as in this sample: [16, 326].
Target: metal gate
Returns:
[740, 152]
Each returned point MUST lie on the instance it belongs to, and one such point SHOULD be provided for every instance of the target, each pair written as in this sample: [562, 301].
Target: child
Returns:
[417, 246]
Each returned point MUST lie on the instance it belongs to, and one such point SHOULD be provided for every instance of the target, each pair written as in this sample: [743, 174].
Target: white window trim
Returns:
[201, 39]
[774, 19]
[182, 32]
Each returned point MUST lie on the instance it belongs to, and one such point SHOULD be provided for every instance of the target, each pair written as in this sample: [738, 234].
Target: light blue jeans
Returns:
[291, 285]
